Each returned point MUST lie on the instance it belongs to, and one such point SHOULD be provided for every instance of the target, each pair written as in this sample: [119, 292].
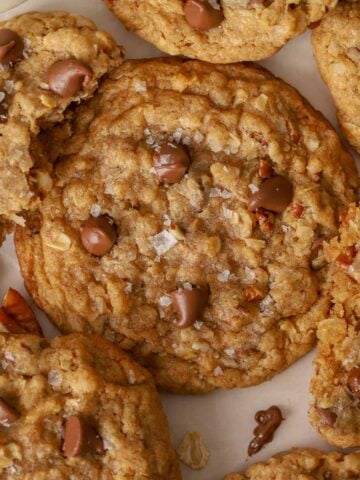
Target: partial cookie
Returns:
[77, 407]
[219, 32]
[304, 464]
[47, 61]
[335, 412]
[186, 219]
[336, 45]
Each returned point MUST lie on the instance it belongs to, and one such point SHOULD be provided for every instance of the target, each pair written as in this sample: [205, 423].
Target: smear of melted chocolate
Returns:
[268, 421]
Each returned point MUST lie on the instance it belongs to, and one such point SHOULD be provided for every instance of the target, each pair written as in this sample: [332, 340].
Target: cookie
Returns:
[219, 32]
[335, 386]
[184, 221]
[304, 463]
[47, 62]
[336, 44]
[77, 407]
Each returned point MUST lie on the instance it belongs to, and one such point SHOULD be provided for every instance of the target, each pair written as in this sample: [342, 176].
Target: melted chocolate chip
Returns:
[67, 77]
[354, 381]
[11, 46]
[327, 416]
[189, 305]
[268, 421]
[98, 235]
[80, 438]
[201, 15]
[8, 414]
[171, 162]
[275, 194]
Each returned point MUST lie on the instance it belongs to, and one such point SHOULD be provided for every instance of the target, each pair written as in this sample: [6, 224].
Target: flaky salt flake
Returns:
[164, 159]
[128, 288]
[249, 272]
[217, 192]
[187, 286]
[54, 378]
[215, 4]
[227, 213]
[9, 357]
[95, 210]
[218, 372]
[152, 170]
[230, 352]
[193, 452]
[178, 134]
[150, 140]
[285, 228]
[165, 301]
[253, 188]
[186, 140]
[157, 259]
[140, 86]
[163, 242]
[198, 324]
[131, 377]
[224, 276]
[147, 131]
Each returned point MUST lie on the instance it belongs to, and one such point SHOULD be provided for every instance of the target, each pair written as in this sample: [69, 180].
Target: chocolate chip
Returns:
[354, 381]
[171, 162]
[67, 77]
[201, 15]
[327, 416]
[189, 305]
[8, 414]
[11, 46]
[98, 235]
[80, 438]
[274, 194]
[268, 421]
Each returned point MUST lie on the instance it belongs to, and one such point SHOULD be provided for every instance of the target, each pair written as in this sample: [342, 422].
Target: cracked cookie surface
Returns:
[246, 284]
[306, 464]
[43, 383]
[335, 412]
[250, 30]
[336, 44]
[28, 105]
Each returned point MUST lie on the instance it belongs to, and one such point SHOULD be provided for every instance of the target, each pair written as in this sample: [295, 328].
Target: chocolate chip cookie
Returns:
[335, 412]
[219, 31]
[336, 44]
[77, 407]
[184, 221]
[47, 61]
[304, 464]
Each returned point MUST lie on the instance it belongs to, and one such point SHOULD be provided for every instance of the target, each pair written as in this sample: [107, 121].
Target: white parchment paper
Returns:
[225, 419]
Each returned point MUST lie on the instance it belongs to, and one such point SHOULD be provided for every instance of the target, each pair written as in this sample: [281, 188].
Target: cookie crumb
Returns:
[193, 452]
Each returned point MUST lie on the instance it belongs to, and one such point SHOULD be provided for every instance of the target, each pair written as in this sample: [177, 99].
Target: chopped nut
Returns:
[297, 210]
[48, 101]
[253, 294]
[193, 452]
[345, 259]
[44, 181]
[59, 241]
[177, 232]
[265, 169]
[265, 219]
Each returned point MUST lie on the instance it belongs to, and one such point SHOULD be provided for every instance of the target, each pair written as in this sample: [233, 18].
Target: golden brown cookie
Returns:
[185, 219]
[335, 411]
[336, 45]
[78, 407]
[47, 62]
[219, 31]
[304, 464]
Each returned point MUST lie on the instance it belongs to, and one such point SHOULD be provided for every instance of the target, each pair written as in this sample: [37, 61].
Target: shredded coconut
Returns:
[217, 192]
[163, 241]
[253, 188]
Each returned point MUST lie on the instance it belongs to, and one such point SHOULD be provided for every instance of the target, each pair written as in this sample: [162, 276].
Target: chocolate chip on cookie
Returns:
[67, 77]
[201, 15]
[274, 194]
[268, 421]
[80, 438]
[98, 235]
[189, 305]
[171, 162]
[354, 381]
[8, 414]
[11, 46]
